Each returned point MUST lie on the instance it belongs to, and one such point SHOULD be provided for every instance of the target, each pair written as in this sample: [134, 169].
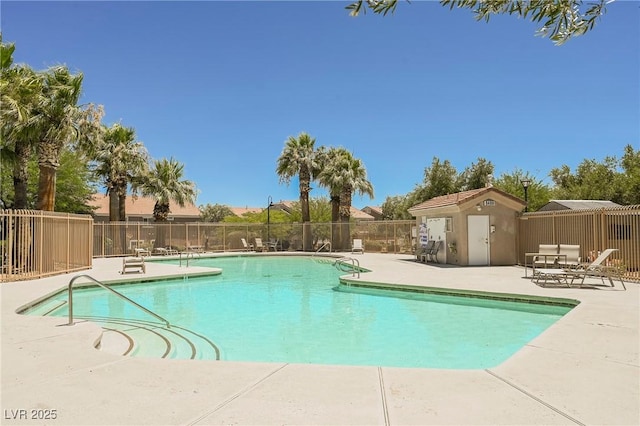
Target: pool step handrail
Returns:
[327, 244]
[355, 265]
[73, 280]
[188, 255]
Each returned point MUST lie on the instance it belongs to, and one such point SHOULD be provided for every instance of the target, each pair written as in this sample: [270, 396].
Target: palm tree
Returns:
[19, 89]
[298, 158]
[330, 178]
[164, 183]
[60, 121]
[120, 160]
[353, 177]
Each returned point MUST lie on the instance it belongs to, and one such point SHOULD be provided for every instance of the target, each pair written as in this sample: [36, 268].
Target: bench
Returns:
[136, 263]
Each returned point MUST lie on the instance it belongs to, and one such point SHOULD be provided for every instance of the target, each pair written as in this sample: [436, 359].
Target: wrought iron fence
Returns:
[35, 244]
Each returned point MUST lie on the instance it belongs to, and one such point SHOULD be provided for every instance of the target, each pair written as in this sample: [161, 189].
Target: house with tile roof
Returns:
[373, 211]
[554, 205]
[140, 209]
[475, 227]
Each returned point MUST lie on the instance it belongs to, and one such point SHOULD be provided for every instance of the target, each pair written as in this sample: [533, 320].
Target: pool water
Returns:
[287, 309]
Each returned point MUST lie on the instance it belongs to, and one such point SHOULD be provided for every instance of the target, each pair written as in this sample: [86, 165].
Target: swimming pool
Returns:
[288, 309]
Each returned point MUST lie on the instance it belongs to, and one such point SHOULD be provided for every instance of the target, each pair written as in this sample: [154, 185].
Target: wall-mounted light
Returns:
[478, 207]
[492, 228]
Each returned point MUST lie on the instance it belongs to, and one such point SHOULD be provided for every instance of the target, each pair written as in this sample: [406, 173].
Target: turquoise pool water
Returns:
[286, 309]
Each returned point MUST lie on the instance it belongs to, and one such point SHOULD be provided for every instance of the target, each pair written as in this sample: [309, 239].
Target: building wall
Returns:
[502, 242]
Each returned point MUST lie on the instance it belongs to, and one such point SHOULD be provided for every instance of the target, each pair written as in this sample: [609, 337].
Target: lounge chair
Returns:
[569, 255]
[595, 269]
[423, 252]
[245, 245]
[433, 251]
[273, 244]
[136, 263]
[357, 246]
[165, 251]
[259, 246]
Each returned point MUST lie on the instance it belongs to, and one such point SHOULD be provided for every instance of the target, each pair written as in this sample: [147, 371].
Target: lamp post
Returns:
[525, 184]
[270, 203]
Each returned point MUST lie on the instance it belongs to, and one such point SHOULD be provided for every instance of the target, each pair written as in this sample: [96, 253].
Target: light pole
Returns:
[270, 203]
[525, 184]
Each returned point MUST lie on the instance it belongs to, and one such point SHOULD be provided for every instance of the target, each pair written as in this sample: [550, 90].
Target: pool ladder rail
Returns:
[188, 255]
[122, 296]
[351, 264]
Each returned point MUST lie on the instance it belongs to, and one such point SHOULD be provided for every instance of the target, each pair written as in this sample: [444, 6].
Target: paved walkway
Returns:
[585, 369]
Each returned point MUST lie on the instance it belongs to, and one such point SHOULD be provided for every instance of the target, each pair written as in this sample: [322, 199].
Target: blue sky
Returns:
[220, 86]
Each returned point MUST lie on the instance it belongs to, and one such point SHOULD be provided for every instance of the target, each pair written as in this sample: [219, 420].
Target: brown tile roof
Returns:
[142, 206]
[240, 211]
[359, 214]
[459, 198]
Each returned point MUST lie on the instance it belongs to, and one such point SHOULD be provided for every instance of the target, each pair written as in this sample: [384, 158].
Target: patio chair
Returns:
[245, 245]
[433, 252]
[357, 246]
[423, 252]
[569, 255]
[546, 255]
[595, 269]
[165, 251]
[273, 244]
[136, 263]
[259, 246]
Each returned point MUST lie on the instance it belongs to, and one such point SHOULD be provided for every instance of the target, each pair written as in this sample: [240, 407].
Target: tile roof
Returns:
[240, 211]
[460, 197]
[141, 206]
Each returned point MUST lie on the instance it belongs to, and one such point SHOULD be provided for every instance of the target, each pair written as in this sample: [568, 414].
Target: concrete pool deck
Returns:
[585, 369]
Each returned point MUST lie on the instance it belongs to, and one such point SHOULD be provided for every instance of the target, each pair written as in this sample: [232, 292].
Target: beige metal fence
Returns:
[123, 238]
[592, 230]
[35, 244]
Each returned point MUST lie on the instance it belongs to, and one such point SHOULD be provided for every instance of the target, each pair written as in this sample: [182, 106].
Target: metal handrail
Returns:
[328, 243]
[111, 290]
[355, 265]
[188, 255]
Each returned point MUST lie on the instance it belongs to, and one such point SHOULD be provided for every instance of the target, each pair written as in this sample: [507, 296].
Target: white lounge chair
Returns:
[259, 246]
[245, 245]
[595, 269]
[357, 246]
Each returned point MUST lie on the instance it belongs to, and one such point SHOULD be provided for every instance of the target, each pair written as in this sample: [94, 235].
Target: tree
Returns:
[538, 194]
[588, 183]
[214, 212]
[120, 159]
[19, 91]
[164, 183]
[478, 175]
[630, 164]
[298, 158]
[561, 20]
[59, 121]
[352, 175]
[396, 208]
[439, 179]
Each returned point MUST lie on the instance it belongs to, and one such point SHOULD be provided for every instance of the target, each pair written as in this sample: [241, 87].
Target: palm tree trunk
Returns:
[335, 216]
[113, 205]
[122, 212]
[20, 176]
[47, 188]
[345, 216]
[307, 236]
[48, 162]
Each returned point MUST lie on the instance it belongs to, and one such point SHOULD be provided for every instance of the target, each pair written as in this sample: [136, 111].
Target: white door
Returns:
[478, 234]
